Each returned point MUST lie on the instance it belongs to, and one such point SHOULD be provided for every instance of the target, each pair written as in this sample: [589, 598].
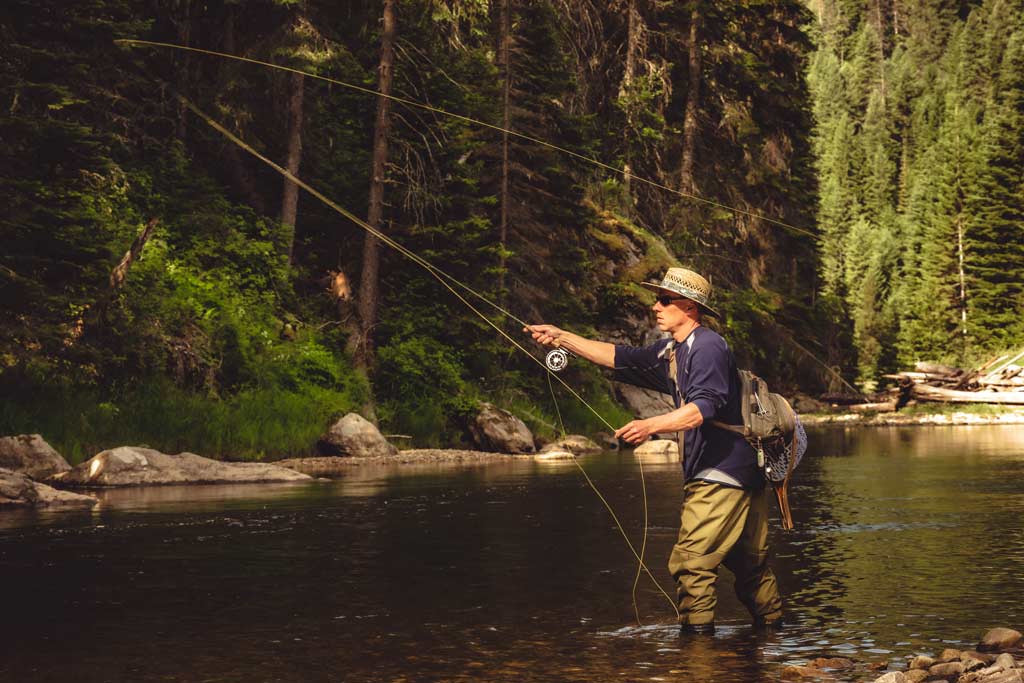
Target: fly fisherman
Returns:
[724, 518]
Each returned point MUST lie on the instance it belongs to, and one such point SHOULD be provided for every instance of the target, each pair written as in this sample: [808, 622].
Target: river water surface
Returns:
[908, 540]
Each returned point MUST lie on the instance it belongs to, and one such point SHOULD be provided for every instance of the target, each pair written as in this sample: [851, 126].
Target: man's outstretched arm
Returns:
[598, 352]
[686, 416]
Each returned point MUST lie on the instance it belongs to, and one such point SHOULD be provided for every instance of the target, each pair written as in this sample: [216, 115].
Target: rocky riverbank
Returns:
[997, 658]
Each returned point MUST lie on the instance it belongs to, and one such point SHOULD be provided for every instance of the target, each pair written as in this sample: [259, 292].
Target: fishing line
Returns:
[445, 279]
[419, 105]
[643, 488]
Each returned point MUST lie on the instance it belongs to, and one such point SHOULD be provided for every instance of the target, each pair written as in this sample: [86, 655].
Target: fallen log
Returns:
[938, 369]
[883, 407]
[925, 392]
[923, 377]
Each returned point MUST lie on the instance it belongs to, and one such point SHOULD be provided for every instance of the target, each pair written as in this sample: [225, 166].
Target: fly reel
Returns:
[558, 359]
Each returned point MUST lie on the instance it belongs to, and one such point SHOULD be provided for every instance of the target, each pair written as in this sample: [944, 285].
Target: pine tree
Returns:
[994, 241]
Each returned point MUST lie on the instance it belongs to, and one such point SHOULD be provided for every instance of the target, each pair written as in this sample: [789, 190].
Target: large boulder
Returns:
[643, 402]
[494, 429]
[136, 466]
[18, 490]
[32, 456]
[355, 436]
[576, 444]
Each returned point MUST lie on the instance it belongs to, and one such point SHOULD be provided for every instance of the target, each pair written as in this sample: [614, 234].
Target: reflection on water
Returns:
[907, 539]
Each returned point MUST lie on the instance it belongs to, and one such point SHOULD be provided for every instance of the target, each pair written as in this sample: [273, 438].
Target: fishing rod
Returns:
[133, 42]
[450, 283]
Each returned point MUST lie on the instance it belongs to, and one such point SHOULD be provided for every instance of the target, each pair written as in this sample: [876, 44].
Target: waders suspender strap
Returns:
[673, 373]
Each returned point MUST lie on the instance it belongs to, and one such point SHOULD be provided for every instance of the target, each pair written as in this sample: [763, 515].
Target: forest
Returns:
[849, 174]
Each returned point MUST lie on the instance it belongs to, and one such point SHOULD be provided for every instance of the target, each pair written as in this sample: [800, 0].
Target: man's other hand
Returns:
[635, 432]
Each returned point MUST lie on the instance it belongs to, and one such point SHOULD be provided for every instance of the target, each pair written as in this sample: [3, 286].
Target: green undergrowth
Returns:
[254, 424]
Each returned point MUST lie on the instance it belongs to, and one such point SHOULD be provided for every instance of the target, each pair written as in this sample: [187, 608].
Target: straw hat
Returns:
[687, 284]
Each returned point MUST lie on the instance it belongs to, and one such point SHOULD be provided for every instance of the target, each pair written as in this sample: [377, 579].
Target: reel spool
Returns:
[557, 360]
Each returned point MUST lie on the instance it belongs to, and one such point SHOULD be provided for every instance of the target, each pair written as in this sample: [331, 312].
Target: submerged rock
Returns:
[32, 456]
[18, 490]
[355, 436]
[494, 429]
[838, 663]
[134, 466]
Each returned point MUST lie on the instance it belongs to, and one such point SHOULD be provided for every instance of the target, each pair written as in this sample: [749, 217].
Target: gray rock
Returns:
[32, 456]
[133, 466]
[922, 662]
[354, 435]
[999, 639]
[660, 448]
[1005, 661]
[947, 670]
[917, 675]
[986, 657]
[972, 664]
[643, 402]
[17, 490]
[494, 429]
[892, 677]
[574, 443]
[51, 497]
[554, 455]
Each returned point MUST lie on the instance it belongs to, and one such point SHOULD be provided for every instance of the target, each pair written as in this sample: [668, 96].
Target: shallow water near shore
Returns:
[908, 540]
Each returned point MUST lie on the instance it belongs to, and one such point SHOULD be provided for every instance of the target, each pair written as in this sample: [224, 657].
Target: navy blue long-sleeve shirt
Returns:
[707, 378]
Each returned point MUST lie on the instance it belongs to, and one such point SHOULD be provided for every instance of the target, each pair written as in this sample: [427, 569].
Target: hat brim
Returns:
[658, 289]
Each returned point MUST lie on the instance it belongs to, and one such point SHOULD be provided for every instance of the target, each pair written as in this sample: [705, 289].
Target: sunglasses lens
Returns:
[664, 300]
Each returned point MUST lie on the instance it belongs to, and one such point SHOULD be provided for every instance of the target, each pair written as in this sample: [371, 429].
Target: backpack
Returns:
[773, 430]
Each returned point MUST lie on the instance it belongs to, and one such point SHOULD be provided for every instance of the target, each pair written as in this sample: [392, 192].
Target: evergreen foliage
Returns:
[229, 317]
[917, 142]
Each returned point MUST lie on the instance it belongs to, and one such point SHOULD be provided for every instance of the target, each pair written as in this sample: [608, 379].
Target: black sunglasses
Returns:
[665, 299]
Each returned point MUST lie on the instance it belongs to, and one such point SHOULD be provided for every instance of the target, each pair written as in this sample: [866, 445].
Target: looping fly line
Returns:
[420, 105]
[448, 281]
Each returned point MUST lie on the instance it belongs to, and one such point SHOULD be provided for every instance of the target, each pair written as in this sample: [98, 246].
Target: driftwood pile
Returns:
[1001, 381]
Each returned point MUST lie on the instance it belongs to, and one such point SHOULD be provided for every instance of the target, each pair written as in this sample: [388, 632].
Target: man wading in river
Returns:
[724, 518]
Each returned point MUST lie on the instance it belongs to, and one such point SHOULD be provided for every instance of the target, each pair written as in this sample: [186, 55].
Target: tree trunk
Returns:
[184, 31]
[880, 22]
[368, 284]
[686, 180]
[632, 41]
[290, 196]
[505, 65]
[120, 271]
[241, 179]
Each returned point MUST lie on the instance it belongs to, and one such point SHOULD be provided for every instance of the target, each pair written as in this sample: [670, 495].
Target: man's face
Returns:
[674, 313]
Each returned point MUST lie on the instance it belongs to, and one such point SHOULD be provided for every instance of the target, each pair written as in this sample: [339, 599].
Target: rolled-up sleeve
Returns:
[708, 387]
[643, 366]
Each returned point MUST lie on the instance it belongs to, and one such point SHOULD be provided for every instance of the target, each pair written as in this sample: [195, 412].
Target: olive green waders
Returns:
[723, 525]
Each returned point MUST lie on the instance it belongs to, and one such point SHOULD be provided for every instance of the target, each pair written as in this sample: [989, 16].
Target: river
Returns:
[907, 540]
